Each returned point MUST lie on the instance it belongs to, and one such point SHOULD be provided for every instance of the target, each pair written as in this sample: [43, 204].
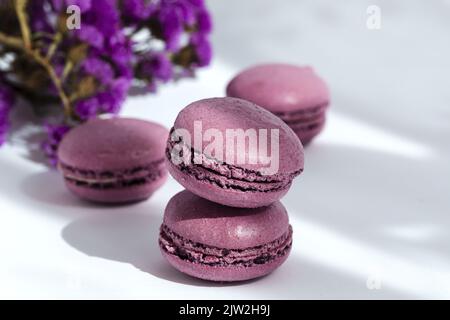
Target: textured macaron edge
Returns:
[215, 225]
[225, 196]
[224, 274]
[113, 179]
[227, 176]
[129, 194]
[218, 264]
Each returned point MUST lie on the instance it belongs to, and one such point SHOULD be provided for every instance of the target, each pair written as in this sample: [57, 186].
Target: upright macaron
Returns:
[233, 152]
[295, 94]
[114, 160]
[219, 243]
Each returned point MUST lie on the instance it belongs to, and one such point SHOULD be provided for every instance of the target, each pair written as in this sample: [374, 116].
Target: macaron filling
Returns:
[194, 252]
[116, 179]
[303, 114]
[227, 176]
[307, 119]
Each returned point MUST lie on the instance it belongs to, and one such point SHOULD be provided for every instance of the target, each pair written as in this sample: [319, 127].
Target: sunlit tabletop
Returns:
[371, 213]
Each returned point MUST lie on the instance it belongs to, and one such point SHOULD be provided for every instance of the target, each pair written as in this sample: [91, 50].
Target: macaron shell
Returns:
[212, 224]
[222, 114]
[122, 195]
[227, 197]
[280, 87]
[113, 144]
[225, 274]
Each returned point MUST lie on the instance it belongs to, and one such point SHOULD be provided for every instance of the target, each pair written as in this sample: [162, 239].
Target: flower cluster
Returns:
[6, 102]
[90, 69]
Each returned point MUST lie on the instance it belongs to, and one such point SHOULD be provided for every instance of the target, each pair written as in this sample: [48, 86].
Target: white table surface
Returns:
[371, 213]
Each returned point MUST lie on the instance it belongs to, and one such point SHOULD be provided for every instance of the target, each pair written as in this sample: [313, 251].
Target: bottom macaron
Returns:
[218, 243]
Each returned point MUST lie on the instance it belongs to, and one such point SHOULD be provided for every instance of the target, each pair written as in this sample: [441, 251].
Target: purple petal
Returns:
[98, 68]
[87, 108]
[84, 5]
[159, 66]
[138, 9]
[204, 22]
[202, 49]
[112, 100]
[55, 134]
[90, 35]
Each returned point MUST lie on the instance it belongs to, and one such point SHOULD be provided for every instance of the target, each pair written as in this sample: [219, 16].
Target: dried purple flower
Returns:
[55, 134]
[92, 68]
[111, 100]
[87, 108]
[202, 48]
[84, 5]
[171, 26]
[90, 35]
[204, 22]
[99, 68]
[159, 66]
[6, 103]
[138, 10]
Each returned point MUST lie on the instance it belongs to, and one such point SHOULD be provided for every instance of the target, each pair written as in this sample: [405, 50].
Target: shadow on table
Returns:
[388, 202]
[300, 278]
[129, 237]
[47, 188]
[333, 192]
[132, 237]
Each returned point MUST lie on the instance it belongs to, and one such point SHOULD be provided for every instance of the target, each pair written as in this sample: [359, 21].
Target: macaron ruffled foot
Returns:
[219, 243]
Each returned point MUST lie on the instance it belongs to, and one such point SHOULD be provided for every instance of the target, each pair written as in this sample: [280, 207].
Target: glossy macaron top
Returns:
[225, 114]
[212, 224]
[113, 144]
[280, 87]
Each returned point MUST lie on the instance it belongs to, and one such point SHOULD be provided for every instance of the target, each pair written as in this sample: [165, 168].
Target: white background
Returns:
[372, 206]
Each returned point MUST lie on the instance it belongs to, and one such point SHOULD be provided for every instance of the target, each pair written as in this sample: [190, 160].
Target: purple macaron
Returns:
[114, 160]
[214, 242]
[295, 94]
[248, 158]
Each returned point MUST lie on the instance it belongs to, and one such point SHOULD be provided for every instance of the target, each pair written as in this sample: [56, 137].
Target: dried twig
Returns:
[13, 42]
[23, 21]
[56, 41]
[25, 45]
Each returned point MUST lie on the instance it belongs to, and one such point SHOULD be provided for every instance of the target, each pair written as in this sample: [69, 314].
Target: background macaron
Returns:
[219, 243]
[246, 185]
[114, 160]
[295, 94]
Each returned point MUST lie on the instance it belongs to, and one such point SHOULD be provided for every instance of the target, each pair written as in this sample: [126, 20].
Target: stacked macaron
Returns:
[219, 243]
[229, 224]
[295, 94]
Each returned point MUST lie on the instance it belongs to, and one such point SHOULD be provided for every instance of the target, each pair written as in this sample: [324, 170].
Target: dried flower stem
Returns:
[13, 42]
[56, 40]
[56, 81]
[26, 46]
[22, 16]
